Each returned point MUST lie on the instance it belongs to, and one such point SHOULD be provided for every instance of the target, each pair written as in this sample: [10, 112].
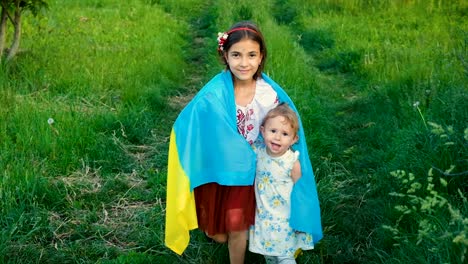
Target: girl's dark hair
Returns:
[255, 34]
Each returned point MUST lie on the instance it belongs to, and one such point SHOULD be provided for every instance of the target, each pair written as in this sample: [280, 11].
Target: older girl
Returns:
[211, 166]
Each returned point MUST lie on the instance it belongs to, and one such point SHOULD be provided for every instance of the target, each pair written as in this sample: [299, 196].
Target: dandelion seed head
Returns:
[50, 121]
[416, 104]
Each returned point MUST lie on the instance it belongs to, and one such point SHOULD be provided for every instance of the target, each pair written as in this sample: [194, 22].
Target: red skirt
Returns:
[223, 209]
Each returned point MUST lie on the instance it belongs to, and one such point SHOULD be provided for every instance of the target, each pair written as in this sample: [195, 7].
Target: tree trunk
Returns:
[3, 22]
[17, 33]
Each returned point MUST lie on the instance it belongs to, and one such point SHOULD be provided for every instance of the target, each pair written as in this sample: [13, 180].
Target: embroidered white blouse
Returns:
[249, 117]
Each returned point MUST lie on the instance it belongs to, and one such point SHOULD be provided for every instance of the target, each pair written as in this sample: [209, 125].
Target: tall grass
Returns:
[400, 61]
[79, 136]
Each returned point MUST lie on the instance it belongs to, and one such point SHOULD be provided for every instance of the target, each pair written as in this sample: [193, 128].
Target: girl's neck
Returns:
[244, 91]
[244, 84]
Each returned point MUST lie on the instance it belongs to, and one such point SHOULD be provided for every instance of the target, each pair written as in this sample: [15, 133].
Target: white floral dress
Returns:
[271, 235]
[249, 117]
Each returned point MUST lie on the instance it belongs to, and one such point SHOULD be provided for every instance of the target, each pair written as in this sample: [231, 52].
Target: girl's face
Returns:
[243, 59]
[278, 136]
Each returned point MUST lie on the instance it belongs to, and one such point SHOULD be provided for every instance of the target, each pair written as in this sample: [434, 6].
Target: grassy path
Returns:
[351, 148]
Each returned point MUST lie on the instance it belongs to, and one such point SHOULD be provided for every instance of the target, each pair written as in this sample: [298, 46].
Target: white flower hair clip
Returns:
[222, 37]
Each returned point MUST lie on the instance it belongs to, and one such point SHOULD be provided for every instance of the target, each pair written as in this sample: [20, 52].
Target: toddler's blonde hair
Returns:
[285, 111]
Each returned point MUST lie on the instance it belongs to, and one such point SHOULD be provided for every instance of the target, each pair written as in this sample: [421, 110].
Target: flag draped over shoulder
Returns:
[206, 147]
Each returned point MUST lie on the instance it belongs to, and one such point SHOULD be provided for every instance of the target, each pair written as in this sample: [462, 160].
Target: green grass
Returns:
[101, 70]
[113, 75]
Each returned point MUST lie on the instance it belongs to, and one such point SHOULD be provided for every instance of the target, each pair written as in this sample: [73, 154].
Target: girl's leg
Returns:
[286, 260]
[279, 260]
[239, 215]
[271, 260]
[237, 244]
[219, 238]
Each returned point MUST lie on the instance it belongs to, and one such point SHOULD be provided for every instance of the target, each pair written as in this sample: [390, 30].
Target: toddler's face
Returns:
[278, 136]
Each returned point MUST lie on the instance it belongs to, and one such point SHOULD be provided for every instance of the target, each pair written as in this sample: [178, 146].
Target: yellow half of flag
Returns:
[181, 216]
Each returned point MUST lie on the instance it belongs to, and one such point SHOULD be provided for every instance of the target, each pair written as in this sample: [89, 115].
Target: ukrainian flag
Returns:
[206, 147]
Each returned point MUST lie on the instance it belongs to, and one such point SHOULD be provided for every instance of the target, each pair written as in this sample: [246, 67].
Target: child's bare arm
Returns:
[296, 171]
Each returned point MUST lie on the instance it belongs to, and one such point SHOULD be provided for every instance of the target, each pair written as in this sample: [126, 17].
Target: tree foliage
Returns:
[12, 10]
